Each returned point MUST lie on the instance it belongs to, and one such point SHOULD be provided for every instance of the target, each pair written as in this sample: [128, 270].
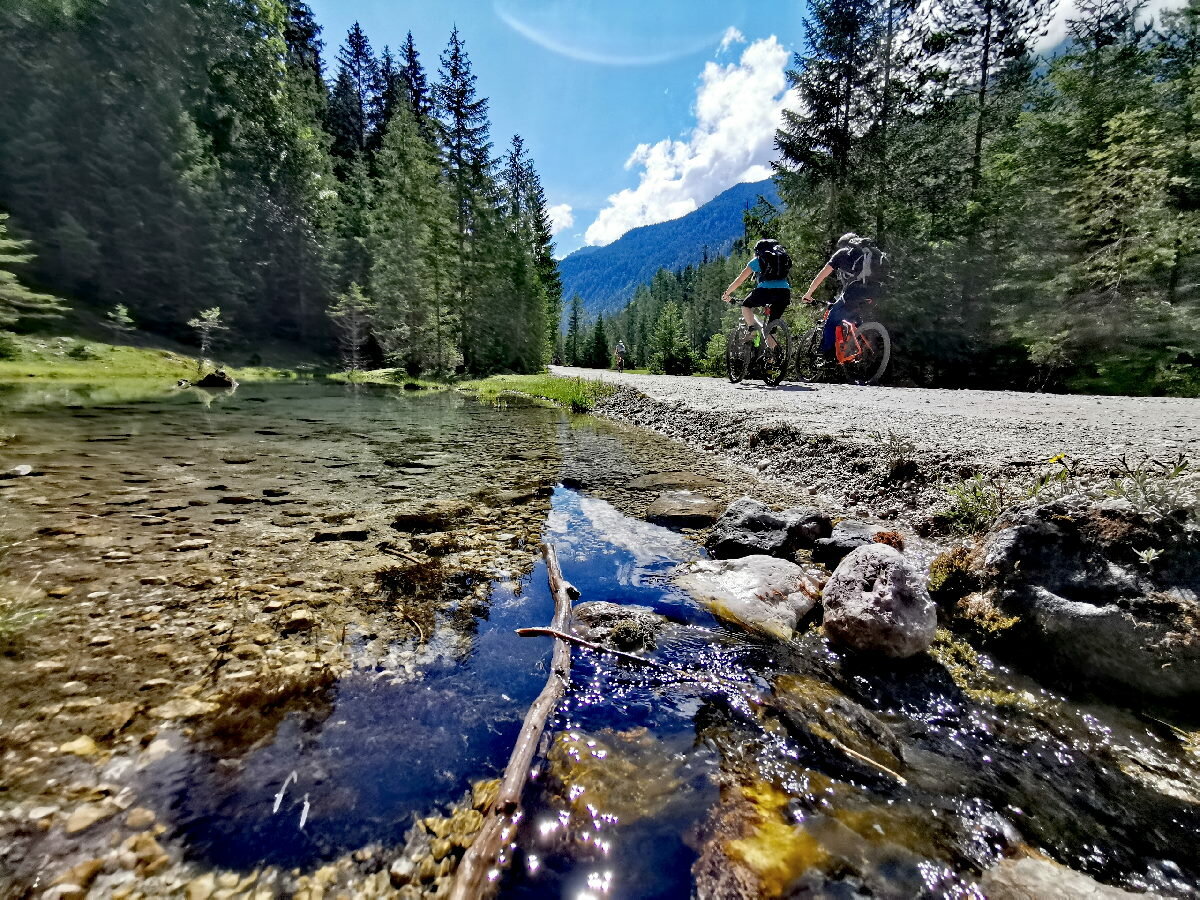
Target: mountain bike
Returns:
[861, 351]
[747, 350]
[619, 362]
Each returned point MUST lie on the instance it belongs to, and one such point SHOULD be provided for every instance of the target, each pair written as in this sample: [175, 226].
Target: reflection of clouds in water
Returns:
[621, 32]
[586, 528]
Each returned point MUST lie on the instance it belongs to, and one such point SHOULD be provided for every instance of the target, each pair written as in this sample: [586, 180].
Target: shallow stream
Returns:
[746, 768]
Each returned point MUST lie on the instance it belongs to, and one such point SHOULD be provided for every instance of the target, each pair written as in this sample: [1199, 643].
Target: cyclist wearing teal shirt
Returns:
[777, 294]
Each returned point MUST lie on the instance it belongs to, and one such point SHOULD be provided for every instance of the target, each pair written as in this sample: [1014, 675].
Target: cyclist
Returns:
[619, 353]
[857, 264]
[772, 291]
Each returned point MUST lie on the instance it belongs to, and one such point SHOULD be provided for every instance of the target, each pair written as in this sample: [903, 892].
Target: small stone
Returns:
[201, 888]
[101, 640]
[88, 815]
[440, 848]
[226, 520]
[59, 592]
[49, 665]
[402, 871]
[185, 708]
[139, 818]
[193, 544]
[81, 746]
[300, 620]
[247, 651]
[41, 812]
[81, 875]
[153, 580]
[74, 687]
[155, 683]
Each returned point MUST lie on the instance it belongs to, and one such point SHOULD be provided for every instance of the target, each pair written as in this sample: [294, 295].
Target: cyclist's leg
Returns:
[780, 299]
[832, 321]
[756, 298]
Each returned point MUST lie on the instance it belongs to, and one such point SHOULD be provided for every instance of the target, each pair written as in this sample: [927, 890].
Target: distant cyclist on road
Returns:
[770, 264]
[860, 267]
[619, 353]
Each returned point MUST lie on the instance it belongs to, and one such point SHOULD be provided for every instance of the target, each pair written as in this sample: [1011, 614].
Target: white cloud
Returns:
[732, 36]
[738, 108]
[561, 217]
[1056, 32]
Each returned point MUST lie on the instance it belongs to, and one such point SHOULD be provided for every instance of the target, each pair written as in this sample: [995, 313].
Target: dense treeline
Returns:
[1042, 214]
[179, 156]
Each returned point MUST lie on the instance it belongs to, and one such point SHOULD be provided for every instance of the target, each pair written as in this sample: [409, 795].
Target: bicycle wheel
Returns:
[808, 356]
[775, 359]
[876, 352]
[737, 354]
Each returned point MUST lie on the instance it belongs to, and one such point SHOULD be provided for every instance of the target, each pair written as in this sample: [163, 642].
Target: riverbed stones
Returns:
[750, 527]
[760, 593]
[183, 708]
[1043, 879]
[622, 626]
[87, 815]
[683, 509]
[1071, 571]
[659, 481]
[876, 602]
[847, 536]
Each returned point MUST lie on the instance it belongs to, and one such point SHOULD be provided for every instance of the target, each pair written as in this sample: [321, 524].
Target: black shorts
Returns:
[777, 298]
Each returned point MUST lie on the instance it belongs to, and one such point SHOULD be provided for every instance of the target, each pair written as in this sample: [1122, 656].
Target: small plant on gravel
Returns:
[1059, 482]
[974, 504]
[898, 455]
[17, 615]
[1157, 488]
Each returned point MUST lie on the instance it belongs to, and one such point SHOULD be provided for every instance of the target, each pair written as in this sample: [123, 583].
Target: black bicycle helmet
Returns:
[845, 239]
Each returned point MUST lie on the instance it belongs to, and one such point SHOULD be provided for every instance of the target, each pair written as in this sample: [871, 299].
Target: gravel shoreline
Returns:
[892, 452]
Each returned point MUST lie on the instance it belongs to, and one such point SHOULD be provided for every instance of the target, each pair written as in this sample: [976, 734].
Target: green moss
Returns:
[951, 577]
[962, 663]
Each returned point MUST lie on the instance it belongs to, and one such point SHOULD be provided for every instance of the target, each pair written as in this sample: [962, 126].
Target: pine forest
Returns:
[179, 157]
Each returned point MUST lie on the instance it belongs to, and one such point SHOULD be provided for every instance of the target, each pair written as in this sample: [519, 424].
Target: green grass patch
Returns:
[575, 394]
[390, 377]
[72, 359]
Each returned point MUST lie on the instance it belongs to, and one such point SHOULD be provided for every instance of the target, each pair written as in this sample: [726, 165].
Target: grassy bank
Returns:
[575, 394]
[71, 359]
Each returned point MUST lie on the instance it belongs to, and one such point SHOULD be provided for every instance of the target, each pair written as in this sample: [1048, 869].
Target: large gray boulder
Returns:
[749, 527]
[760, 593]
[1089, 607]
[876, 602]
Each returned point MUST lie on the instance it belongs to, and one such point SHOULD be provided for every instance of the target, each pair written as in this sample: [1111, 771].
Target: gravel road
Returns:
[952, 433]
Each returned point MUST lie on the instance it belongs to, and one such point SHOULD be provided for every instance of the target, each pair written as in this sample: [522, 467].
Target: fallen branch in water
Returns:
[598, 648]
[478, 873]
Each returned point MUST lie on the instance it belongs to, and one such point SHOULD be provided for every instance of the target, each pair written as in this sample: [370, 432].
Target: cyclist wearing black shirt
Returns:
[847, 263]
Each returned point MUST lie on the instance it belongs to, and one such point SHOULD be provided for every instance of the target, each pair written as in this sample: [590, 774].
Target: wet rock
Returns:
[876, 602]
[1043, 879]
[201, 888]
[81, 746]
[139, 818]
[822, 715]
[193, 544]
[300, 620]
[184, 708]
[683, 509]
[402, 871]
[84, 817]
[758, 592]
[618, 625]
[17, 472]
[346, 534]
[1071, 572]
[749, 527]
[81, 875]
[846, 537]
[153, 580]
[678, 480]
[237, 499]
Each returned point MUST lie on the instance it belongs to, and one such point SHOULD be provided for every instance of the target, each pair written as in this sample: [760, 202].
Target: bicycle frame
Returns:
[847, 345]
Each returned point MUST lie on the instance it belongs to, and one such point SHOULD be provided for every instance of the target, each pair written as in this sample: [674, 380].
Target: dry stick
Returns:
[678, 674]
[475, 879]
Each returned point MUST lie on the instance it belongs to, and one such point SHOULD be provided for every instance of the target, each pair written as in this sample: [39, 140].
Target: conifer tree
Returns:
[598, 352]
[573, 343]
[416, 86]
[17, 300]
[354, 96]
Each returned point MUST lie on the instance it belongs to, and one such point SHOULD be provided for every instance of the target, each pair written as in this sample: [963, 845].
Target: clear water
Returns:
[633, 800]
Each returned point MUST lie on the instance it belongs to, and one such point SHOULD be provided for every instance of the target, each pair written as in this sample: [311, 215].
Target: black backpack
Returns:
[874, 266]
[773, 261]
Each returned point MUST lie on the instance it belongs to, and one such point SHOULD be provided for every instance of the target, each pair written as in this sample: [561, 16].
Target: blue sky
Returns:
[634, 110]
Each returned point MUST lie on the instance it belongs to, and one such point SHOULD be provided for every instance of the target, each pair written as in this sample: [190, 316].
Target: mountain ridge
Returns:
[606, 277]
